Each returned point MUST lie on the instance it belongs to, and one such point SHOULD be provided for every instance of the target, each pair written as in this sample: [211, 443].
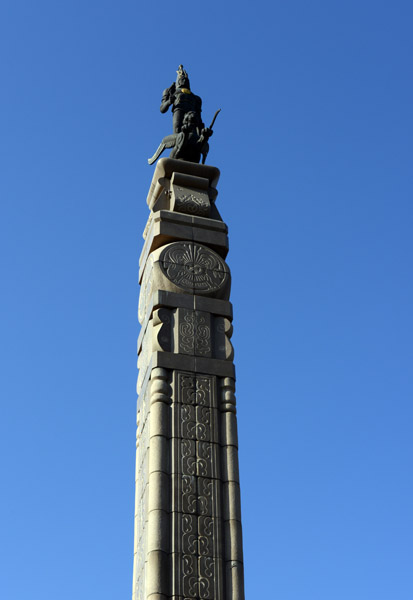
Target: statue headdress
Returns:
[181, 73]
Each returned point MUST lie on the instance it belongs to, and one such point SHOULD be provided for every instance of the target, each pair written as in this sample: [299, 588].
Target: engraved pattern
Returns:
[205, 493]
[203, 335]
[196, 490]
[194, 332]
[189, 494]
[204, 462]
[187, 332]
[193, 267]
[206, 577]
[191, 204]
[195, 390]
[189, 534]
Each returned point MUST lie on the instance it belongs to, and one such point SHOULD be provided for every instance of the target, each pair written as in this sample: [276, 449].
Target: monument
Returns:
[188, 541]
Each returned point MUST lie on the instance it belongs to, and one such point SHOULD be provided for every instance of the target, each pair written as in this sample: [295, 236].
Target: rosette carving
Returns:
[193, 267]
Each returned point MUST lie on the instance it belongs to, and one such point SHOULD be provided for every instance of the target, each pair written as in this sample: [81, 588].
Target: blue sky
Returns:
[314, 144]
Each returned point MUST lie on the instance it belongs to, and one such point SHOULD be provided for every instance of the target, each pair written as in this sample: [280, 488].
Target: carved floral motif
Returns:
[193, 267]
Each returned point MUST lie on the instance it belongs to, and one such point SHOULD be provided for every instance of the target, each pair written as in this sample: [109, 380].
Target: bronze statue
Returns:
[182, 100]
[189, 139]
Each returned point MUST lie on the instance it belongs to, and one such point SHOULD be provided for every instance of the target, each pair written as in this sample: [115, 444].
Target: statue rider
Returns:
[189, 144]
[182, 100]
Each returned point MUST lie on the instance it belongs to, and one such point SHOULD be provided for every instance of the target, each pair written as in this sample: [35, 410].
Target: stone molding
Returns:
[166, 226]
[165, 169]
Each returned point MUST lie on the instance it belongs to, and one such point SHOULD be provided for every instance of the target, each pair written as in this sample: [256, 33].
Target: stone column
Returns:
[188, 541]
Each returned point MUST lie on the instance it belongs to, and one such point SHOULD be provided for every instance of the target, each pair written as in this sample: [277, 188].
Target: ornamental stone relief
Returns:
[195, 389]
[193, 267]
[194, 335]
[197, 493]
[191, 332]
[192, 203]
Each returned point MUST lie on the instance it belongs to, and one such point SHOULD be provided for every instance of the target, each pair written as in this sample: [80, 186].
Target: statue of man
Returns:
[182, 100]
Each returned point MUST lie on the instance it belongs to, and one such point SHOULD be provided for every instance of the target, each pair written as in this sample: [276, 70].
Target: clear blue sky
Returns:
[314, 143]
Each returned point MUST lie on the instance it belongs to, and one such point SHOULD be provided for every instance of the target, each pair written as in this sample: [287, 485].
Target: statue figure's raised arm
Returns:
[168, 98]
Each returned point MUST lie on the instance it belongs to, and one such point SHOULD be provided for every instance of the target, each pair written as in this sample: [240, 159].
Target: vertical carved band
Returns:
[160, 389]
[228, 400]
[197, 488]
[231, 493]
[158, 543]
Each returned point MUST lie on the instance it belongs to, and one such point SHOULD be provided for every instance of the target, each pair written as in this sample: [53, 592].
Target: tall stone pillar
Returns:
[188, 542]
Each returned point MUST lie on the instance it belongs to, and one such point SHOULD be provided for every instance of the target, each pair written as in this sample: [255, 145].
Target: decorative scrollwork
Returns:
[203, 391]
[189, 465]
[191, 204]
[187, 333]
[198, 490]
[187, 524]
[202, 336]
[188, 565]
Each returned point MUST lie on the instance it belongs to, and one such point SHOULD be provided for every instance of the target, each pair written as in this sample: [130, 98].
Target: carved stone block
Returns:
[194, 389]
[186, 268]
[194, 332]
[234, 580]
[230, 468]
[159, 454]
[222, 334]
[160, 420]
[231, 504]
[159, 491]
[158, 531]
[208, 459]
[233, 540]
[165, 169]
[189, 494]
[162, 339]
[190, 201]
[166, 226]
[157, 581]
[189, 575]
[206, 573]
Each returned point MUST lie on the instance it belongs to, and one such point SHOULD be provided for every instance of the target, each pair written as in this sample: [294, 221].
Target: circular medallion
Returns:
[193, 267]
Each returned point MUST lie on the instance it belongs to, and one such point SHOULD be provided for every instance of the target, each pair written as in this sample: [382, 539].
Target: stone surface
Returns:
[188, 540]
[189, 195]
[166, 226]
[167, 166]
